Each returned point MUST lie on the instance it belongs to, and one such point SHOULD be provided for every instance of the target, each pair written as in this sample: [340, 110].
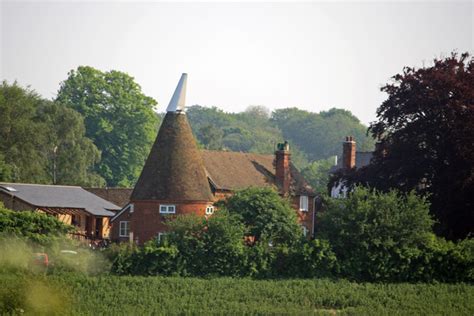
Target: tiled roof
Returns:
[60, 196]
[118, 196]
[174, 169]
[236, 170]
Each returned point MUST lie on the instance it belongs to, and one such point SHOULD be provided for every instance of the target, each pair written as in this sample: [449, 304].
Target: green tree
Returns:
[37, 134]
[376, 235]
[71, 155]
[317, 173]
[21, 135]
[266, 216]
[208, 246]
[320, 135]
[210, 137]
[119, 118]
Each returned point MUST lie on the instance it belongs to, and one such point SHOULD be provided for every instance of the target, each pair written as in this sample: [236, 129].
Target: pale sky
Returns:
[313, 55]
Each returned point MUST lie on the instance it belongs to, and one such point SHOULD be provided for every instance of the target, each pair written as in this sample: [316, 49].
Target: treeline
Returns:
[312, 136]
[370, 236]
[99, 129]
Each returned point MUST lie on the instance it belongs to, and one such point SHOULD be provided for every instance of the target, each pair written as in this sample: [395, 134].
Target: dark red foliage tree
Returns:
[425, 131]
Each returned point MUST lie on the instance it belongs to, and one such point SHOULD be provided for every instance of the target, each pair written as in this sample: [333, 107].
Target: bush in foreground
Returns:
[389, 237]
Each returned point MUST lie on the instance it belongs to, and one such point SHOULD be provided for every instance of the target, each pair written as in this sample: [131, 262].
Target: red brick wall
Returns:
[349, 153]
[146, 221]
[282, 170]
[304, 218]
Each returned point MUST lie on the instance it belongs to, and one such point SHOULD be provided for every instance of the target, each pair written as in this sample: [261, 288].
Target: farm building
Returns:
[178, 178]
[72, 205]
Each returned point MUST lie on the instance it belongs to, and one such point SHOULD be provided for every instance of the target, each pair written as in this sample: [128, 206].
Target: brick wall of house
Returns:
[146, 221]
[304, 218]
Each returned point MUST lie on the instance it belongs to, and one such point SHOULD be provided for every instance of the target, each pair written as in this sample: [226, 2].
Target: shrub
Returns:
[208, 246]
[376, 236]
[33, 226]
[266, 215]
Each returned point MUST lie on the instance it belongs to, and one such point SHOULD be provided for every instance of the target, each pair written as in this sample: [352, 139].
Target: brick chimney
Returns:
[282, 166]
[348, 153]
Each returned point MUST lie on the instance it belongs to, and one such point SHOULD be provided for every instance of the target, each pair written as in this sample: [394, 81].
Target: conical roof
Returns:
[174, 169]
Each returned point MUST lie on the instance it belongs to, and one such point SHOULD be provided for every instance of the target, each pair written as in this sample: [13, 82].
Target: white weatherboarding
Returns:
[177, 103]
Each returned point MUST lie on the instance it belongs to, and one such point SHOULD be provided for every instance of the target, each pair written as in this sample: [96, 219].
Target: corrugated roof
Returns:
[174, 170]
[237, 170]
[60, 196]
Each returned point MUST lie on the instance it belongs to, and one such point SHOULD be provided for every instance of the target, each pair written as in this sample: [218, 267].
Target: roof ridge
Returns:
[44, 185]
[236, 152]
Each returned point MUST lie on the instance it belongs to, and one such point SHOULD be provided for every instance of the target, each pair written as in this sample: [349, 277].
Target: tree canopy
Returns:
[312, 136]
[426, 132]
[119, 119]
[320, 135]
[266, 215]
[42, 141]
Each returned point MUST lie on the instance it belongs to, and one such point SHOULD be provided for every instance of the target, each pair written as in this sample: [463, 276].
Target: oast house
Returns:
[179, 178]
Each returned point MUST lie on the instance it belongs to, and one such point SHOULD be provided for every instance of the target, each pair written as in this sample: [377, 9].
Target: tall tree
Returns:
[21, 136]
[426, 134]
[71, 156]
[42, 141]
[119, 119]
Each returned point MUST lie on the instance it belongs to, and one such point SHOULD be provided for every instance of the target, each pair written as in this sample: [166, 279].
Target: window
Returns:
[161, 236]
[167, 209]
[209, 210]
[303, 203]
[124, 230]
[305, 230]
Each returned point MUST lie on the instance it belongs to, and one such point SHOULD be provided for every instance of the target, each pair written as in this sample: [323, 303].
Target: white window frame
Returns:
[304, 203]
[305, 230]
[161, 235]
[168, 209]
[209, 210]
[126, 228]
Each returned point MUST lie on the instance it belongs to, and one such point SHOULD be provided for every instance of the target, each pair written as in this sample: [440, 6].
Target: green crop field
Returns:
[111, 295]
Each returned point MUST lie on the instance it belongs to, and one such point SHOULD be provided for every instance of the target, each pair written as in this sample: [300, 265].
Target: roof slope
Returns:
[60, 196]
[117, 196]
[236, 170]
[174, 169]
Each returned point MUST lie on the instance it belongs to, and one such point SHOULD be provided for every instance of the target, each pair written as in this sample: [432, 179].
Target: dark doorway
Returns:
[98, 227]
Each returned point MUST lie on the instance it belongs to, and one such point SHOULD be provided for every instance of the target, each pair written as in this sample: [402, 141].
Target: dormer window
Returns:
[303, 203]
[167, 209]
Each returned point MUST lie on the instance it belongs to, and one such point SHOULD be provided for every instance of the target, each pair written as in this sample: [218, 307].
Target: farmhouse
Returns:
[178, 178]
[72, 205]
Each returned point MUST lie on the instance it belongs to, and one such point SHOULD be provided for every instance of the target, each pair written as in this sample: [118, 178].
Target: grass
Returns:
[112, 295]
